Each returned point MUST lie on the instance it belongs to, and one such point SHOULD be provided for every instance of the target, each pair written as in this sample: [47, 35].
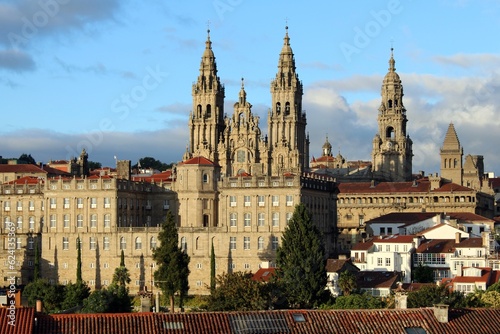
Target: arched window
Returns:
[209, 111]
[287, 108]
[123, 243]
[389, 103]
[260, 243]
[138, 243]
[278, 108]
[198, 110]
[205, 178]
[199, 244]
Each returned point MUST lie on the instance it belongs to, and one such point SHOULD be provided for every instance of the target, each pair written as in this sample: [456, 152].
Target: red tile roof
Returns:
[264, 274]
[463, 321]
[363, 246]
[26, 180]
[376, 279]
[199, 161]
[23, 320]
[417, 186]
[402, 218]
[470, 243]
[395, 239]
[165, 176]
[437, 246]
[21, 168]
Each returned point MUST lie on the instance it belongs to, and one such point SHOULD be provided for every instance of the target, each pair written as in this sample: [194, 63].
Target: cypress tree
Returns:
[78, 261]
[172, 273]
[36, 274]
[212, 269]
[301, 261]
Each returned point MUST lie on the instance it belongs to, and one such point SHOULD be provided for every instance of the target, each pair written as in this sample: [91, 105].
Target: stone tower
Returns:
[392, 147]
[242, 150]
[206, 121]
[288, 143]
[451, 157]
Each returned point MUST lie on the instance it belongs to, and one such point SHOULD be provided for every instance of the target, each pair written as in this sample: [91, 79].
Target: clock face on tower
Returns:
[389, 144]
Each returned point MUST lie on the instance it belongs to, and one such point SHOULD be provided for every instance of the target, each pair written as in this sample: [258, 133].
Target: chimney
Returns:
[486, 241]
[458, 237]
[39, 306]
[441, 312]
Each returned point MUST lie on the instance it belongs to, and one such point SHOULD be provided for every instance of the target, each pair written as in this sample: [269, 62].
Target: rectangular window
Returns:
[246, 200]
[232, 243]
[288, 216]
[105, 243]
[32, 223]
[361, 219]
[387, 261]
[65, 243]
[53, 202]
[107, 220]
[260, 243]
[389, 230]
[379, 261]
[107, 202]
[92, 243]
[93, 203]
[66, 221]
[53, 221]
[382, 230]
[276, 219]
[32, 206]
[79, 203]
[66, 202]
[262, 219]
[19, 206]
[246, 243]
[248, 219]
[233, 219]
[274, 243]
[276, 200]
[232, 200]
[93, 220]
[79, 221]
[289, 200]
[387, 248]
[261, 200]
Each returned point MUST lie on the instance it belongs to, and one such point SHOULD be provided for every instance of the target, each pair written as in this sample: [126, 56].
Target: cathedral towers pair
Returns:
[236, 143]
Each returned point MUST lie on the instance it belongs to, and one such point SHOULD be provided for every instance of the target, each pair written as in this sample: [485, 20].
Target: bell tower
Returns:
[452, 157]
[392, 147]
[288, 143]
[206, 120]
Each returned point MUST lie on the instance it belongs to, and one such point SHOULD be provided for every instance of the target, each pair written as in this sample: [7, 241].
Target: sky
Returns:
[114, 76]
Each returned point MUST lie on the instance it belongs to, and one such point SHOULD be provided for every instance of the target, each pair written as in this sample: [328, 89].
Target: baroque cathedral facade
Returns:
[234, 190]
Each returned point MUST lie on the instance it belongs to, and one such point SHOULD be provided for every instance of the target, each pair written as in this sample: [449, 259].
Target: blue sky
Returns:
[115, 77]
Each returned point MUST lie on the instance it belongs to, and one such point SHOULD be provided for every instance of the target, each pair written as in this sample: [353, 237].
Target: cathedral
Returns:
[234, 190]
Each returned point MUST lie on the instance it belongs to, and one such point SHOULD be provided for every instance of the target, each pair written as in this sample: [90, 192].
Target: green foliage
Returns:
[78, 261]
[423, 274]
[212, 270]
[494, 287]
[149, 162]
[491, 298]
[358, 301]
[114, 299]
[430, 295]
[75, 294]
[40, 289]
[301, 261]
[173, 271]
[36, 272]
[236, 292]
[121, 276]
[94, 165]
[347, 282]
[26, 159]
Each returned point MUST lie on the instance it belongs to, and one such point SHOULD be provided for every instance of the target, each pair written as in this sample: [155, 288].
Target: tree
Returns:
[423, 274]
[301, 261]
[36, 272]
[78, 261]
[173, 271]
[347, 282]
[75, 294]
[212, 269]
[41, 289]
[237, 292]
[121, 276]
[358, 301]
[149, 162]
[94, 165]
[114, 299]
[491, 298]
[26, 159]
